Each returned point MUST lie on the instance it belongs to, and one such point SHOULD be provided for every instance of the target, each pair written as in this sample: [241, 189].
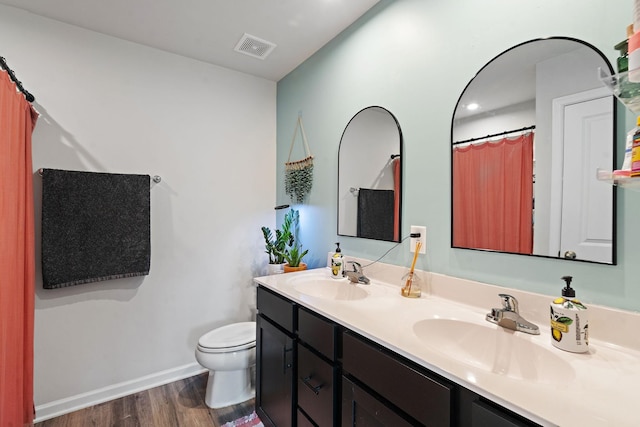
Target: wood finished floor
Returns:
[176, 404]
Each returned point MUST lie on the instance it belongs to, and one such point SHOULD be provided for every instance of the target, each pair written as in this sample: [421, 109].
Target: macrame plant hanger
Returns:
[299, 173]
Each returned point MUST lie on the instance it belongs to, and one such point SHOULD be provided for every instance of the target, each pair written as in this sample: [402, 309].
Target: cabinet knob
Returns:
[287, 360]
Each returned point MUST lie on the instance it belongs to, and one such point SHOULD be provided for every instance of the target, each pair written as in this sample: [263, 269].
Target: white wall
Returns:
[415, 58]
[111, 106]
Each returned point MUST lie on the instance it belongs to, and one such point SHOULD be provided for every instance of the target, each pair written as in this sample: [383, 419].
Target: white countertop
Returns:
[522, 372]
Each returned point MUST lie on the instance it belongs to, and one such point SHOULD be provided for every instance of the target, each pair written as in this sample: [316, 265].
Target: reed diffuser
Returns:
[412, 288]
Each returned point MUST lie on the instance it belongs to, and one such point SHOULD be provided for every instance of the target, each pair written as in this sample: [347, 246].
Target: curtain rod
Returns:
[507, 132]
[27, 95]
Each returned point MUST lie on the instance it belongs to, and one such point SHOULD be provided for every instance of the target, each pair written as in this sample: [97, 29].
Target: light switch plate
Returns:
[423, 239]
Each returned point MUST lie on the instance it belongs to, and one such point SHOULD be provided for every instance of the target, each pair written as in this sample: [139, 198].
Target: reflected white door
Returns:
[586, 224]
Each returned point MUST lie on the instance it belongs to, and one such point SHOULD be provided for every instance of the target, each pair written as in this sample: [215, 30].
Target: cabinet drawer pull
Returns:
[315, 389]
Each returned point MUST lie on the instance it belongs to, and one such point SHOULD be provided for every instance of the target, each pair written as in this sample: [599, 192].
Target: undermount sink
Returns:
[327, 288]
[494, 349]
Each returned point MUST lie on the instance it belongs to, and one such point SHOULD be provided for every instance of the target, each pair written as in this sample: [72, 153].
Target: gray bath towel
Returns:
[95, 226]
[375, 214]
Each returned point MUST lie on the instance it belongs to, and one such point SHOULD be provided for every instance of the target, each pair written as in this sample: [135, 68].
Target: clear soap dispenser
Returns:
[569, 321]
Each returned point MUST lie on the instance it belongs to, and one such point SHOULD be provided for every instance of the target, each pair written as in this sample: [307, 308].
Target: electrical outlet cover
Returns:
[423, 239]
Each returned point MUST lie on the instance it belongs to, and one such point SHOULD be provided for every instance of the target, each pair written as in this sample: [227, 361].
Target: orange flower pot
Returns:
[301, 267]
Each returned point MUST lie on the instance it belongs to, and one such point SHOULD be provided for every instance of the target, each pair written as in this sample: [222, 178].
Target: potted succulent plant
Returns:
[293, 252]
[276, 246]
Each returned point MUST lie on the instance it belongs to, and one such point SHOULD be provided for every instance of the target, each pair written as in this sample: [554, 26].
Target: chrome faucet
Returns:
[509, 318]
[356, 275]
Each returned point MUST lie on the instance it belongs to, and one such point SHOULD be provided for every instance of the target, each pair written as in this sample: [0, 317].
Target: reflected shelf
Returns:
[628, 93]
[632, 183]
[623, 89]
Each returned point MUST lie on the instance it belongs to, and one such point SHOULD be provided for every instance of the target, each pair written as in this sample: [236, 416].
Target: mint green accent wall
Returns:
[414, 57]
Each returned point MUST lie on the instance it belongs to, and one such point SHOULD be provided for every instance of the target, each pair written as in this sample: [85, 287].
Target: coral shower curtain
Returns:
[396, 199]
[493, 195]
[17, 268]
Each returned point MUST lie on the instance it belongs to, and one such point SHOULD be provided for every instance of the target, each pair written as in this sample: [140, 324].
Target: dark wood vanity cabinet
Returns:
[318, 371]
[276, 355]
[360, 408]
[312, 372]
[481, 412]
[423, 398]
[484, 415]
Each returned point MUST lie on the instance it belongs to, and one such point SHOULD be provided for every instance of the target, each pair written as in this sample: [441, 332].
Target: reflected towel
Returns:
[95, 226]
[376, 214]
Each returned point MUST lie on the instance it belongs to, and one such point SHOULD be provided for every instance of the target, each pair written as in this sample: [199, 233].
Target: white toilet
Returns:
[229, 352]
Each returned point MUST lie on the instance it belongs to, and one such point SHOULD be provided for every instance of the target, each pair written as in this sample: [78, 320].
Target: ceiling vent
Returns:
[254, 46]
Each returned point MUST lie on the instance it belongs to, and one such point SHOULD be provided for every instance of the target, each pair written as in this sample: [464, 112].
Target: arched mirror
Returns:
[370, 176]
[528, 134]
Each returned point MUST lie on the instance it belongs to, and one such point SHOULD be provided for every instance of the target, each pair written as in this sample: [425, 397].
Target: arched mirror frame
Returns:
[614, 140]
[364, 160]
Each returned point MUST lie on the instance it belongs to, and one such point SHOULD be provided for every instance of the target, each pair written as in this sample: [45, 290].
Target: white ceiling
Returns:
[510, 78]
[208, 30]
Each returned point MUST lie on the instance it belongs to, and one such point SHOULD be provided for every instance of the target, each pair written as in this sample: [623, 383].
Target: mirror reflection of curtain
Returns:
[396, 202]
[493, 195]
[17, 256]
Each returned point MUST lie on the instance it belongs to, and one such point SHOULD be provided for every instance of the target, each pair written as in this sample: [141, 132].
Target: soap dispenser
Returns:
[569, 321]
[337, 264]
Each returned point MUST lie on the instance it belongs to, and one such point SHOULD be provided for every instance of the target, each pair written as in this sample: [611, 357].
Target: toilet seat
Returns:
[229, 338]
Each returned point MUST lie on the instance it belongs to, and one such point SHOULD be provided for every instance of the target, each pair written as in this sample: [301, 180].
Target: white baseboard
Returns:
[101, 395]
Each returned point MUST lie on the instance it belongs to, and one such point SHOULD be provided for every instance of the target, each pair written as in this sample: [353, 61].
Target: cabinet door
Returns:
[361, 409]
[274, 375]
[316, 387]
[423, 397]
[303, 421]
[318, 332]
[484, 415]
[277, 309]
